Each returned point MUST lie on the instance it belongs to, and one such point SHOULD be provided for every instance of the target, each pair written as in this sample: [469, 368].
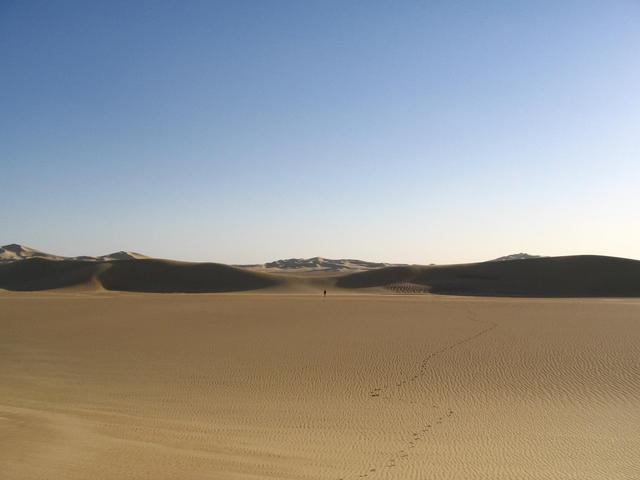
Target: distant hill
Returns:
[318, 264]
[15, 252]
[515, 256]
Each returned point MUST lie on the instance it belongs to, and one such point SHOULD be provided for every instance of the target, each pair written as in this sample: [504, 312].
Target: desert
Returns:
[319, 240]
[274, 380]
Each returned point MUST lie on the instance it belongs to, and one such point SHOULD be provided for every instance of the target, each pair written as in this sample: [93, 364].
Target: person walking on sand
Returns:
[324, 293]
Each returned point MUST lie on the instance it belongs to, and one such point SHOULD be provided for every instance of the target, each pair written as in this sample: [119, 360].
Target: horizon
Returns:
[320, 257]
[413, 133]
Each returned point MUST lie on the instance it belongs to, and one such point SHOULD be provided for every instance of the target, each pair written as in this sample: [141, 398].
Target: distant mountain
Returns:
[515, 256]
[14, 252]
[318, 264]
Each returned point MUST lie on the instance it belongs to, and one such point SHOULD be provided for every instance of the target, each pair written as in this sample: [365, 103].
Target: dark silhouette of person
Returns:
[324, 294]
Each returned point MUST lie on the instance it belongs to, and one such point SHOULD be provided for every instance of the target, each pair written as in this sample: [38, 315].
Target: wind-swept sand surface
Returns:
[265, 386]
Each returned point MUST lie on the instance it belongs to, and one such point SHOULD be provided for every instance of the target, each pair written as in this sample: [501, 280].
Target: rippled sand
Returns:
[139, 386]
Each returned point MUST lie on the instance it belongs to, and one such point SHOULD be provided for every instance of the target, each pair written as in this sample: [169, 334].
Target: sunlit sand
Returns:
[109, 385]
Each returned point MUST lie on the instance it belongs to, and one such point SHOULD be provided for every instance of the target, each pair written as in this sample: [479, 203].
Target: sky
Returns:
[243, 132]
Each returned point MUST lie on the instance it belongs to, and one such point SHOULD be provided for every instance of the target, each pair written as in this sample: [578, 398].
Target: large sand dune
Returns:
[146, 275]
[572, 276]
[114, 385]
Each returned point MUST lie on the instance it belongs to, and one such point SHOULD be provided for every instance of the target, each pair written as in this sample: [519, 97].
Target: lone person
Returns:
[324, 294]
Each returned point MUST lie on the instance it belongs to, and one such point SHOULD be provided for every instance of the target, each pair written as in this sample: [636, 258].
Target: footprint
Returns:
[390, 395]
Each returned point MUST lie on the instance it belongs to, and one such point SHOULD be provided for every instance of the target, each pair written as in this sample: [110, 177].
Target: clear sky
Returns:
[244, 131]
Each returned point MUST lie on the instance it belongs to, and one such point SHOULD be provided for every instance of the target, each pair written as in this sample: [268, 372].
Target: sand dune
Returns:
[15, 252]
[515, 256]
[165, 276]
[147, 275]
[572, 276]
[317, 264]
[576, 276]
[42, 274]
[109, 385]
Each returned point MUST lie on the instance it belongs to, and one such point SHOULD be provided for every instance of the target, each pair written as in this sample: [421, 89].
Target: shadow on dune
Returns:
[378, 278]
[41, 274]
[572, 276]
[575, 276]
[165, 277]
[130, 275]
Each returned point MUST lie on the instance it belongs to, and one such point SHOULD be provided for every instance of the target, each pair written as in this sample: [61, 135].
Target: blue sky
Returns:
[243, 132]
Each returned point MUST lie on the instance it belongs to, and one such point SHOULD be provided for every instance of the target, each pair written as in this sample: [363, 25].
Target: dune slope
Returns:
[579, 276]
[148, 275]
[575, 276]
[163, 276]
[42, 274]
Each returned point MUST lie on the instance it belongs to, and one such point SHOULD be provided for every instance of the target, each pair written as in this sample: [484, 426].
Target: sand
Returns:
[111, 385]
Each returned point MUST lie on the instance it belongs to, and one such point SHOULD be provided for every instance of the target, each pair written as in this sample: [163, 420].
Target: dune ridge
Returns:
[15, 252]
[317, 264]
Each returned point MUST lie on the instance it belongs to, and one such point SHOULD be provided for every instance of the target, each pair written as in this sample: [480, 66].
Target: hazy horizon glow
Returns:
[244, 132]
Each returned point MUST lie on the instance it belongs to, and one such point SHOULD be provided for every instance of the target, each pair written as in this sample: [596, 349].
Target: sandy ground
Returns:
[141, 386]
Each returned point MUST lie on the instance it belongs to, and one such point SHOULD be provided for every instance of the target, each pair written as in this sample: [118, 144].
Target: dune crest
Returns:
[16, 252]
[318, 264]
